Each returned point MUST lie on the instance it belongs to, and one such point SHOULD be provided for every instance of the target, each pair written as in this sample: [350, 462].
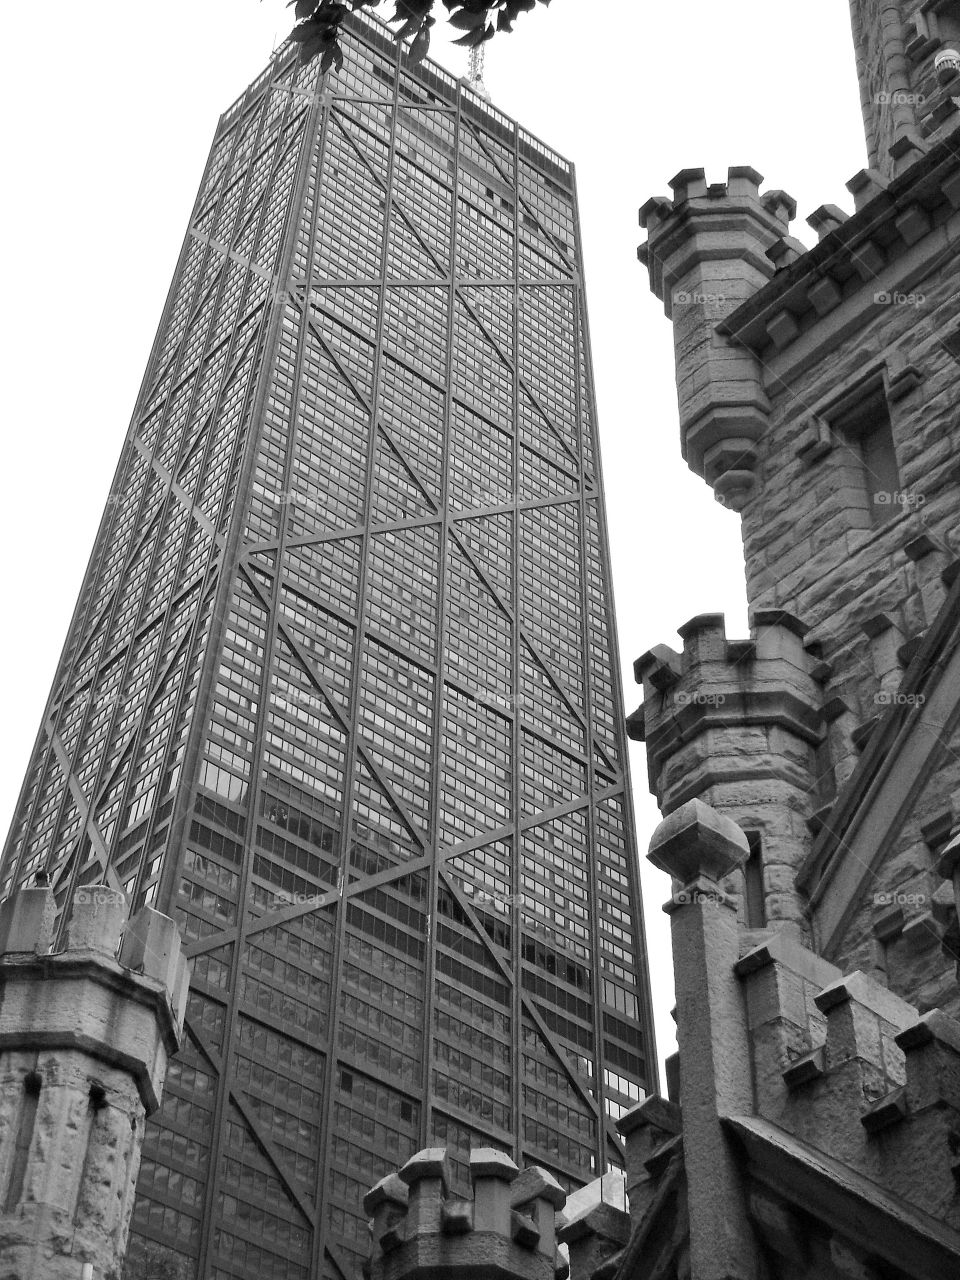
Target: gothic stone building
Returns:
[809, 775]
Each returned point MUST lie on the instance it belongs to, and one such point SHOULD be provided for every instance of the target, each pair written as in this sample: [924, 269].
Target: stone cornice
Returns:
[75, 1019]
[851, 254]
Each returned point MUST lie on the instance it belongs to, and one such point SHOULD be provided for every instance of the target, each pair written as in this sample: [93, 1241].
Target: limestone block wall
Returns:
[85, 1036]
[874, 310]
[738, 724]
[848, 484]
[904, 102]
[805, 545]
[871, 311]
[854, 1071]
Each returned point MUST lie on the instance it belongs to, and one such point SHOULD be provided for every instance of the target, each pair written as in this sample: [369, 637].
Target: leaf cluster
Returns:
[318, 23]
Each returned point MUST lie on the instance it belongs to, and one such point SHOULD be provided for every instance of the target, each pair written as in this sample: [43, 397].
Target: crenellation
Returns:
[846, 1158]
[826, 219]
[27, 922]
[85, 1040]
[651, 1131]
[865, 186]
[705, 251]
[506, 1230]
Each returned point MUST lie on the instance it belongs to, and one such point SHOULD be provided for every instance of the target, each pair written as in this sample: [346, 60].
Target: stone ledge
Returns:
[886, 1111]
[904, 206]
[803, 1070]
[857, 987]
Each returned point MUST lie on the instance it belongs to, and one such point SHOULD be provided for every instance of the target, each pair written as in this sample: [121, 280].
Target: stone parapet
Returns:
[855, 260]
[854, 1072]
[86, 1034]
[125, 1012]
[741, 725]
[508, 1231]
[595, 1227]
[653, 1136]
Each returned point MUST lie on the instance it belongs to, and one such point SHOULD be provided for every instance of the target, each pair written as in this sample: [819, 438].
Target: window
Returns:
[868, 457]
[755, 905]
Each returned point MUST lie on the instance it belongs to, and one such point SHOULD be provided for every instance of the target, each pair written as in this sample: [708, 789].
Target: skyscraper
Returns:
[340, 691]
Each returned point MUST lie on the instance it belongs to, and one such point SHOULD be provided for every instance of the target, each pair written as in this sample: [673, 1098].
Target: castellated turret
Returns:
[508, 1231]
[742, 725]
[86, 1033]
[706, 252]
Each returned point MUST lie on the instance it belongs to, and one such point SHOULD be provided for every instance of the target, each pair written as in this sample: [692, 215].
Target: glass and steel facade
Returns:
[341, 691]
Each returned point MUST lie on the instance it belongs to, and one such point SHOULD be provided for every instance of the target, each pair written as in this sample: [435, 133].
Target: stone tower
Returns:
[817, 392]
[909, 76]
[85, 1038]
[507, 1231]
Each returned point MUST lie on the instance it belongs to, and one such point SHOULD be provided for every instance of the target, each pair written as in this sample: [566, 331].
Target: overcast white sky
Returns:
[109, 110]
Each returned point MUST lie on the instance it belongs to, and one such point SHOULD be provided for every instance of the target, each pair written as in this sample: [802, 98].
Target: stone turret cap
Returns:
[429, 1163]
[487, 1162]
[151, 946]
[743, 180]
[695, 841]
[537, 1184]
[688, 184]
[389, 1190]
[865, 991]
[780, 204]
[97, 919]
[654, 211]
[826, 219]
[933, 1026]
[27, 920]
[661, 665]
[656, 1111]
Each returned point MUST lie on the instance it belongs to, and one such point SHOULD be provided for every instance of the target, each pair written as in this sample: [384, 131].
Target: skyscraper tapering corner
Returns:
[341, 689]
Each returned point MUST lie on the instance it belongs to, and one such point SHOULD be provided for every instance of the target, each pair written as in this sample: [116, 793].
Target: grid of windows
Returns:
[340, 692]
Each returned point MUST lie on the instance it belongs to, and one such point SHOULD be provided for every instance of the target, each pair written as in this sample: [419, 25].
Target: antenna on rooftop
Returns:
[475, 71]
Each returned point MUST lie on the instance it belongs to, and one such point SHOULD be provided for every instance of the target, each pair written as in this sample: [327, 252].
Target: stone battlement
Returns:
[855, 1072]
[712, 666]
[508, 1231]
[707, 252]
[818, 1117]
[86, 1034]
[724, 716]
[87, 996]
